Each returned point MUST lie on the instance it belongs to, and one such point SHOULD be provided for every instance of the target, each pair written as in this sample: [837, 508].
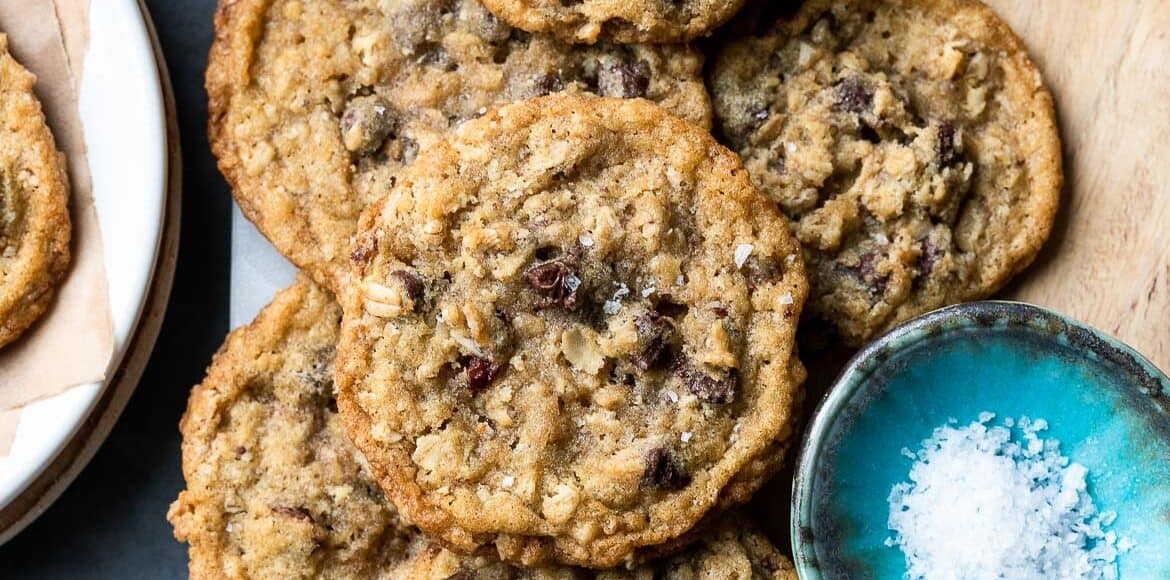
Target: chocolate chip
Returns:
[654, 332]
[299, 513]
[366, 124]
[618, 78]
[711, 389]
[663, 471]
[719, 311]
[854, 95]
[240, 450]
[412, 283]
[481, 371]
[557, 281]
[945, 148]
[549, 84]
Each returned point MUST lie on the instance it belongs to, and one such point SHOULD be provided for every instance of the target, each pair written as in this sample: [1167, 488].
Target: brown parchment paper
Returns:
[73, 343]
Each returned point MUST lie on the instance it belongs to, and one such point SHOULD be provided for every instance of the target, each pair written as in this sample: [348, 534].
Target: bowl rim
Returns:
[987, 314]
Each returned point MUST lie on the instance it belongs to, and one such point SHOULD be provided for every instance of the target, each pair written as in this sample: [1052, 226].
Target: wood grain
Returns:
[1108, 262]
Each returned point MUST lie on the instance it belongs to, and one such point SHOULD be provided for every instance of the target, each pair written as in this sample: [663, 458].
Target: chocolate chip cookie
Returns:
[35, 228]
[316, 105]
[274, 487]
[912, 143]
[621, 20]
[568, 332]
[733, 549]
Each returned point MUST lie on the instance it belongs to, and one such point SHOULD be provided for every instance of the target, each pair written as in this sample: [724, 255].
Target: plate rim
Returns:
[27, 459]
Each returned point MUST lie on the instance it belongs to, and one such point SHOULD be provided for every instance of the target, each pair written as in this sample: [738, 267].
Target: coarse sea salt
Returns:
[981, 503]
[742, 253]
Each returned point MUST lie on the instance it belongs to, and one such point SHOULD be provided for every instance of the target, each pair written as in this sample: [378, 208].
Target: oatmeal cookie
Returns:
[35, 228]
[734, 549]
[621, 20]
[316, 105]
[912, 143]
[274, 487]
[569, 332]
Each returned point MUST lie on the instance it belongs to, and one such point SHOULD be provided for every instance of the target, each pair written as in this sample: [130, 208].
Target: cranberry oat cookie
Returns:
[569, 332]
[734, 549]
[316, 105]
[621, 20]
[912, 143]
[275, 490]
[274, 487]
[35, 228]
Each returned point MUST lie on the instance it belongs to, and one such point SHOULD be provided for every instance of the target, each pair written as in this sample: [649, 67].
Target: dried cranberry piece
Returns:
[364, 251]
[868, 271]
[412, 283]
[557, 281]
[481, 371]
[928, 257]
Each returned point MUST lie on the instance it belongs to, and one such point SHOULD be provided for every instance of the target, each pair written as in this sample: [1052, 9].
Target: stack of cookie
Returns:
[548, 322]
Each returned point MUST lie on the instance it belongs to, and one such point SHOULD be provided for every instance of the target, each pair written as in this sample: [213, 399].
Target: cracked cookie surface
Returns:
[274, 487]
[620, 20]
[35, 227]
[912, 143]
[569, 332]
[316, 105]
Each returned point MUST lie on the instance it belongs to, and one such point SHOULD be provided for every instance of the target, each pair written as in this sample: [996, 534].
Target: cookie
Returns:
[274, 487]
[586, 21]
[35, 228]
[316, 105]
[568, 332]
[912, 143]
[733, 549]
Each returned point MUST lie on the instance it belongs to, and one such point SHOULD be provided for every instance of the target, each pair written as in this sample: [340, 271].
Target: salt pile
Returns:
[982, 505]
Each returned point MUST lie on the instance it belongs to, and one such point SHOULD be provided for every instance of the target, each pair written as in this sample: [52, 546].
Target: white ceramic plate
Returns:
[123, 114]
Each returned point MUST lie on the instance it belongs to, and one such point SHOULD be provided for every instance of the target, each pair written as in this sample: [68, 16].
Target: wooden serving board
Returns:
[1108, 261]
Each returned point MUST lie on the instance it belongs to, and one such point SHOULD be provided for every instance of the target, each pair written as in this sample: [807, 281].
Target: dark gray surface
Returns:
[111, 522]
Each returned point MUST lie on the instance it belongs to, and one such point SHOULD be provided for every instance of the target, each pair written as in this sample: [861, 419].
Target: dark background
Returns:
[111, 523]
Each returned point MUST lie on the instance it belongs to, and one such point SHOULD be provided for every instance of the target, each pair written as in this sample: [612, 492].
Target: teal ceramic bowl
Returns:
[1106, 404]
